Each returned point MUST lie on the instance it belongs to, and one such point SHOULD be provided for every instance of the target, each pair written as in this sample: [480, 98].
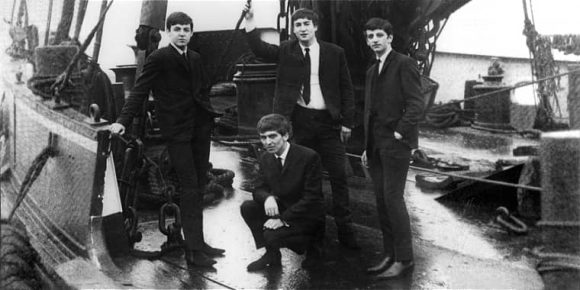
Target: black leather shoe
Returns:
[381, 266]
[346, 236]
[271, 258]
[198, 258]
[396, 269]
[211, 251]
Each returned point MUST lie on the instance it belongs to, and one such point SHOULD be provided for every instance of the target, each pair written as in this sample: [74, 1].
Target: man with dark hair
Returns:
[287, 209]
[314, 90]
[393, 108]
[175, 76]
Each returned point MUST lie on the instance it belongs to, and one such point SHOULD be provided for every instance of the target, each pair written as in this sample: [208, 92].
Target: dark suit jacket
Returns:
[393, 100]
[335, 81]
[179, 89]
[297, 188]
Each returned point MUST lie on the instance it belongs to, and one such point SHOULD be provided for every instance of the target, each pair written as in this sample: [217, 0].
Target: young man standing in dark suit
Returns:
[314, 90]
[393, 108]
[287, 209]
[180, 88]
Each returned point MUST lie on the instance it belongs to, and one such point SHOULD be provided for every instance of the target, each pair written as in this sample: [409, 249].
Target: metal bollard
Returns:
[560, 222]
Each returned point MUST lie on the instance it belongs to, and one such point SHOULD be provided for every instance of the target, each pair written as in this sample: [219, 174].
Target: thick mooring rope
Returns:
[468, 177]
[33, 172]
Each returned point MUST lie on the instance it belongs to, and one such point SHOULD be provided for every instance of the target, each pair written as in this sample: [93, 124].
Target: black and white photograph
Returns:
[290, 144]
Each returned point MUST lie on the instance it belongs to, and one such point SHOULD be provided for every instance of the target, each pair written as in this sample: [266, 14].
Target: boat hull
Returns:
[68, 207]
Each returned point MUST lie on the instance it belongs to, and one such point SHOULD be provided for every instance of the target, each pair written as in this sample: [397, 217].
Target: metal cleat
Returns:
[95, 116]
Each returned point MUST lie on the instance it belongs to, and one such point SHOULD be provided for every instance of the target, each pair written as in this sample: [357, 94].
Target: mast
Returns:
[151, 22]
[97, 45]
[80, 18]
[68, 8]
[48, 21]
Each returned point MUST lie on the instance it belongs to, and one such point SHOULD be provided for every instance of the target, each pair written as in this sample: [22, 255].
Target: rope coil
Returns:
[551, 261]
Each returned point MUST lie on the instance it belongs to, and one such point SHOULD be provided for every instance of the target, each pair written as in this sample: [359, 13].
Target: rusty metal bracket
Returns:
[510, 222]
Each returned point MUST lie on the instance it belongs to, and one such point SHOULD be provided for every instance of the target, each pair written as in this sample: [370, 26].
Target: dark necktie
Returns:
[280, 165]
[185, 58]
[375, 77]
[306, 84]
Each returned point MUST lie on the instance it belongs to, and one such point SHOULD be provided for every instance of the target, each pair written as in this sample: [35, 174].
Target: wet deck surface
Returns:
[456, 245]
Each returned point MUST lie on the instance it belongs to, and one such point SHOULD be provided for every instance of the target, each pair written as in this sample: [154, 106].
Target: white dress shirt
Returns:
[181, 52]
[382, 60]
[282, 156]
[316, 99]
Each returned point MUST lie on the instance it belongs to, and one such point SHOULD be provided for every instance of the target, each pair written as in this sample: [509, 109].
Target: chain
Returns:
[169, 208]
[128, 184]
[138, 159]
[172, 231]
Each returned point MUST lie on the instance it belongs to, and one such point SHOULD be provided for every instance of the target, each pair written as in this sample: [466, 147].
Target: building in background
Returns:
[483, 29]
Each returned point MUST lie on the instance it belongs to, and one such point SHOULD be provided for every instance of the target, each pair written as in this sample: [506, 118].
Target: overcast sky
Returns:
[484, 27]
[494, 27]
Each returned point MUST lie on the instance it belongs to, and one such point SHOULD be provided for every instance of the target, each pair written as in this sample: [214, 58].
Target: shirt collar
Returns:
[285, 153]
[181, 52]
[314, 46]
[384, 57]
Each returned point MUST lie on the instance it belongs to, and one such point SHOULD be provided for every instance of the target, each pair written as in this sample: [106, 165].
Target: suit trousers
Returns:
[317, 130]
[189, 155]
[298, 236]
[388, 169]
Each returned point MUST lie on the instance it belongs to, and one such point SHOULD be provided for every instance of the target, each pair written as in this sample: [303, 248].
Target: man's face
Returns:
[274, 142]
[305, 30]
[180, 34]
[379, 41]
